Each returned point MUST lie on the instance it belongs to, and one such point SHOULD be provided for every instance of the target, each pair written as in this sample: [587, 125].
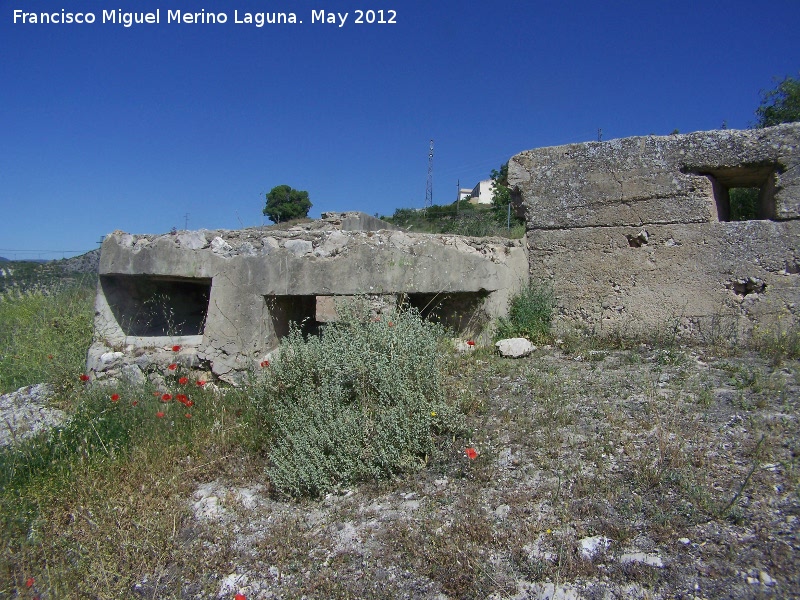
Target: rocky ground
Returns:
[642, 473]
[26, 412]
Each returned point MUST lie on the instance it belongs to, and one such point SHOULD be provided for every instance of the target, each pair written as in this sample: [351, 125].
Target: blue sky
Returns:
[105, 127]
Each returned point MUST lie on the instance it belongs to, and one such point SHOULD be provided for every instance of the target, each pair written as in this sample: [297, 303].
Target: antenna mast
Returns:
[429, 187]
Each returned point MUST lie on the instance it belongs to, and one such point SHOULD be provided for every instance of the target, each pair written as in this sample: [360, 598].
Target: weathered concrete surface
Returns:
[631, 241]
[688, 279]
[231, 294]
[655, 179]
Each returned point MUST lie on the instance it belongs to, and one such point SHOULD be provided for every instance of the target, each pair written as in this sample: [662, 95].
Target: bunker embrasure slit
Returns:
[157, 306]
[299, 309]
[460, 311]
[743, 193]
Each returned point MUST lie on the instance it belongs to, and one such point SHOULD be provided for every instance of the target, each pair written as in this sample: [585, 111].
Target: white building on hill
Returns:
[483, 193]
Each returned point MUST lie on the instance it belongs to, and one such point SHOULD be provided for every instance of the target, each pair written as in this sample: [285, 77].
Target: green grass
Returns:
[94, 506]
[469, 219]
[779, 342]
[44, 335]
[126, 447]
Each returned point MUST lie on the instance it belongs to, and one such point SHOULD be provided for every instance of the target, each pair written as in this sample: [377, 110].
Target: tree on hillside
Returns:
[502, 195]
[285, 203]
[781, 105]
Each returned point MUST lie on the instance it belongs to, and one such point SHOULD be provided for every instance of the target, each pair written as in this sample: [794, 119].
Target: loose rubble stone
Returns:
[591, 546]
[25, 412]
[515, 347]
[193, 240]
[642, 558]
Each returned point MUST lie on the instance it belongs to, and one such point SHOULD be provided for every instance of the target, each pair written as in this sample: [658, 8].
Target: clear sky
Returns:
[105, 127]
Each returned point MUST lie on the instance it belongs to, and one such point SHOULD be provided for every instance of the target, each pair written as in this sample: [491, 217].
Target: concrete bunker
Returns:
[228, 297]
[643, 234]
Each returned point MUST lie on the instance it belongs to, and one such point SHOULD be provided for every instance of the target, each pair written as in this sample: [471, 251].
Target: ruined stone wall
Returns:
[227, 297]
[634, 233]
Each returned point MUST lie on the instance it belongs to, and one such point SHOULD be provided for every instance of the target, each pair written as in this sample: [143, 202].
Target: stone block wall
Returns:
[634, 233]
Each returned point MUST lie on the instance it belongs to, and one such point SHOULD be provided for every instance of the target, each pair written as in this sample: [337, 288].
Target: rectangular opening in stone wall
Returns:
[742, 193]
[153, 306]
[285, 310]
[461, 311]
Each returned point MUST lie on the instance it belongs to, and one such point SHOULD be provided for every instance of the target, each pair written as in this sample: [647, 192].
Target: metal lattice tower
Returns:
[429, 187]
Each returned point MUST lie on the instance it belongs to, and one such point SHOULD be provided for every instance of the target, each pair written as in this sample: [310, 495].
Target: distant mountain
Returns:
[85, 263]
[27, 260]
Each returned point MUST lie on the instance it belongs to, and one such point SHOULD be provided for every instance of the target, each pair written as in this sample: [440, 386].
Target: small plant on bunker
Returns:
[530, 313]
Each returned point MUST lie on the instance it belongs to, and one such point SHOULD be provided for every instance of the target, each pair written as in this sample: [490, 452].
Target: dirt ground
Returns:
[642, 473]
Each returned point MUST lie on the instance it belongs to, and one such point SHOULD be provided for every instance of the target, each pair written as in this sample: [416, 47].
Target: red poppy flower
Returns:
[470, 343]
[188, 416]
[176, 348]
[172, 367]
[29, 582]
[264, 363]
[159, 414]
[471, 453]
[391, 324]
[114, 397]
[135, 402]
[240, 597]
[201, 383]
[181, 397]
[166, 397]
[183, 380]
[84, 377]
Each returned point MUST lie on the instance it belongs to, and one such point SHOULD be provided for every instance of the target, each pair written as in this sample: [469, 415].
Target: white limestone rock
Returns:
[270, 244]
[592, 546]
[192, 240]
[515, 347]
[25, 412]
[650, 560]
[299, 247]
[220, 246]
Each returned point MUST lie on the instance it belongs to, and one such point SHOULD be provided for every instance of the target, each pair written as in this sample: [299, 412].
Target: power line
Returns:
[42, 251]
[429, 186]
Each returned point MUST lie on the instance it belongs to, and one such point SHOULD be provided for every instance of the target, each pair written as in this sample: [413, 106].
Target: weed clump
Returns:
[778, 343]
[362, 400]
[530, 313]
